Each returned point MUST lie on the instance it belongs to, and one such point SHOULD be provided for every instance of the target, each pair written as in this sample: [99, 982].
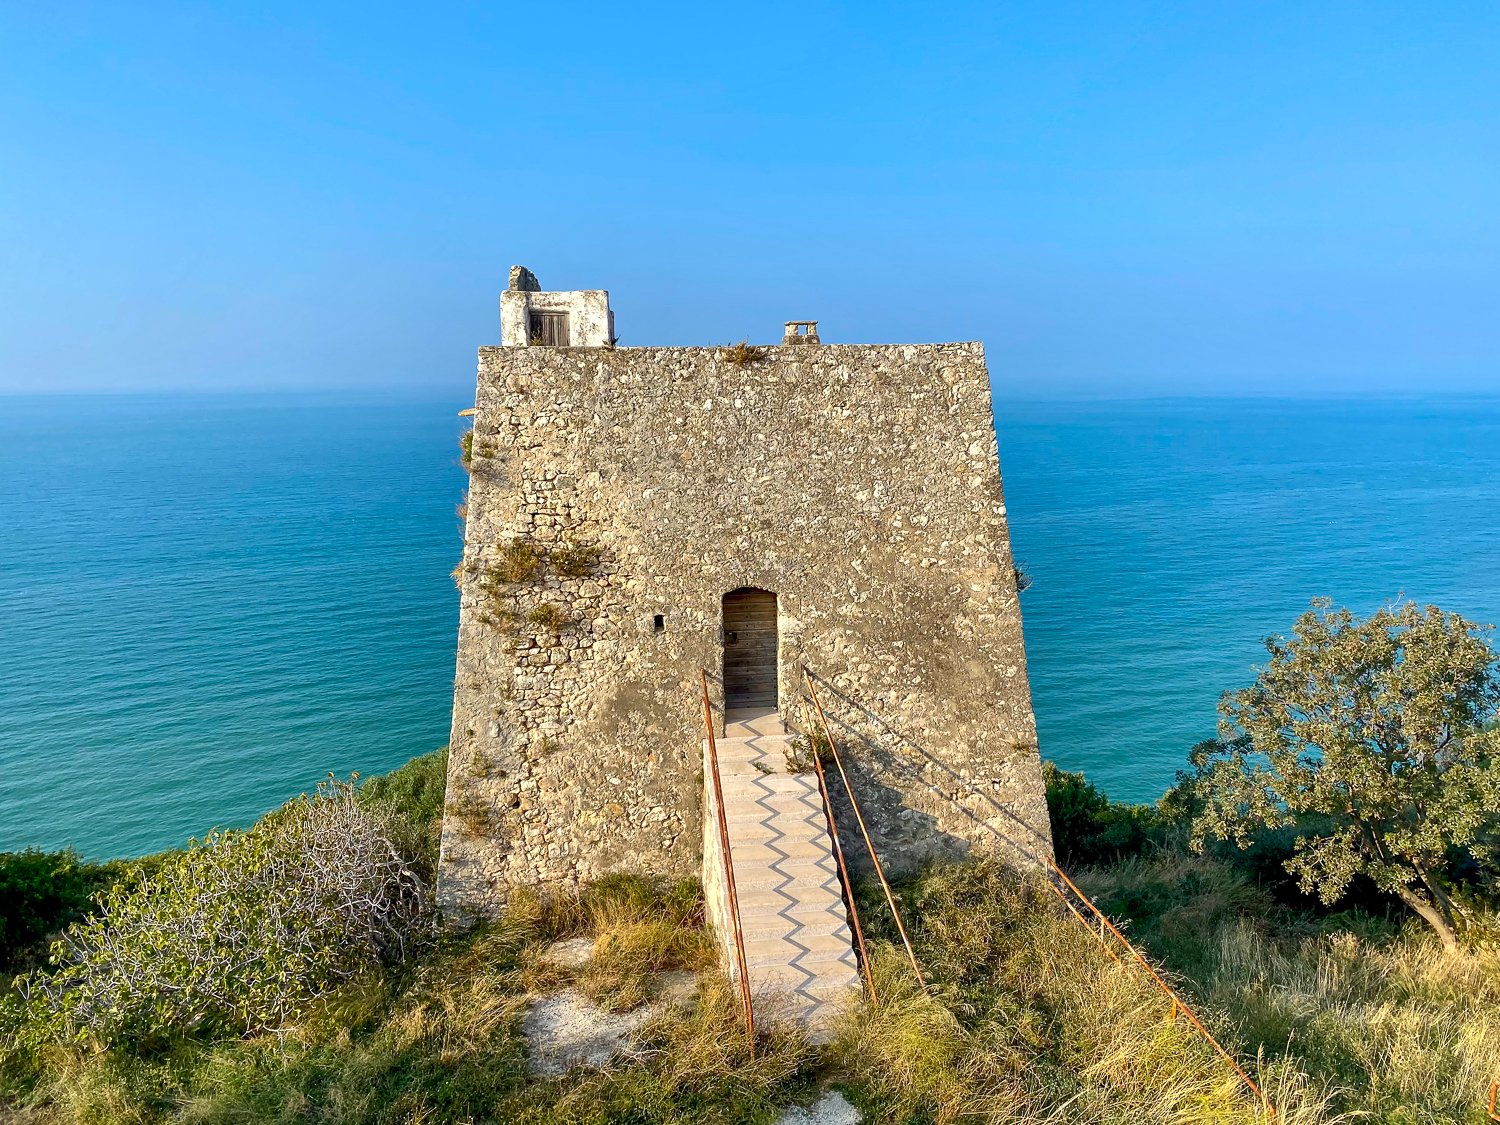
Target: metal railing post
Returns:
[734, 898]
[863, 830]
[838, 852]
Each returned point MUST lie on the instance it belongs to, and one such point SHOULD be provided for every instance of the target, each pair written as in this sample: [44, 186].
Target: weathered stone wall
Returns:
[860, 483]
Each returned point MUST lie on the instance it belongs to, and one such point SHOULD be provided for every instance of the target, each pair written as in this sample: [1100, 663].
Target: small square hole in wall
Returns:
[659, 624]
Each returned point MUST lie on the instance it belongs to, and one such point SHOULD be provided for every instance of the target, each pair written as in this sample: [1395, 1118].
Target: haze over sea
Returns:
[208, 603]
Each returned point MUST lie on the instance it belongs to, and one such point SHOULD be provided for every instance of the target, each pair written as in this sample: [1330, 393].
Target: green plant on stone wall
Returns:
[738, 355]
[516, 561]
[573, 560]
[472, 811]
[521, 561]
[547, 617]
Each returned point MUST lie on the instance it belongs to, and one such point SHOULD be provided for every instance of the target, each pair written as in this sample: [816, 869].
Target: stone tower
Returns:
[638, 514]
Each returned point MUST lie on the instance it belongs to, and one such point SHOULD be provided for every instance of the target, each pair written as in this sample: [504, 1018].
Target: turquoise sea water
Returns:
[206, 603]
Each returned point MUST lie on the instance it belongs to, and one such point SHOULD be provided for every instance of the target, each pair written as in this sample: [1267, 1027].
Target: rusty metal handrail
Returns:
[1105, 925]
[734, 898]
[1178, 1003]
[863, 831]
[838, 852]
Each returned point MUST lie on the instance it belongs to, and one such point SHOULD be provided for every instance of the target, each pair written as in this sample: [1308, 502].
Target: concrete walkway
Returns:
[797, 937]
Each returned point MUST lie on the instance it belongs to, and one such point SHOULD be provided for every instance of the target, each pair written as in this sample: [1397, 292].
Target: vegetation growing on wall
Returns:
[548, 617]
[573, 560]
[518, 564]
[472, 448]
[743, 353]
[473, 810]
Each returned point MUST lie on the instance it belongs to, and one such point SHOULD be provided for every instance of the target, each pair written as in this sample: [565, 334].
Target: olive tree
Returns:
[1376, 740]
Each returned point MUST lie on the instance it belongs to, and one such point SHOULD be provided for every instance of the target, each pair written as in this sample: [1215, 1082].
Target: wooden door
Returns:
[750, 649]
[550, 329]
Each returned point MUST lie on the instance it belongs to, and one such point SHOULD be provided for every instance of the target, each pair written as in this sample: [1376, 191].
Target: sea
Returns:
[210, 603]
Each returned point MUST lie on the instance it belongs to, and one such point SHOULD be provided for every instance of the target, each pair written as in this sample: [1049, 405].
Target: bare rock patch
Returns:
[566, 1030]
[831, 1109]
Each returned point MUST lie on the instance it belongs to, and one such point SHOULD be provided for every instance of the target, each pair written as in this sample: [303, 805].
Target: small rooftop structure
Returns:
[801, 332]
[531, 317]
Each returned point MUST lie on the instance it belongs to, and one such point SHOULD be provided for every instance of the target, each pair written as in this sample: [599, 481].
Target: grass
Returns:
[573, 560]
[1371, 1006]
[738, 355]
[548, 617]
[1356, 1016]
[1028, 1019]
[438, 1042]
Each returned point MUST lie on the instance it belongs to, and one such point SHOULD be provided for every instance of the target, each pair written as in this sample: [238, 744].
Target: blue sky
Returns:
[1118, 198]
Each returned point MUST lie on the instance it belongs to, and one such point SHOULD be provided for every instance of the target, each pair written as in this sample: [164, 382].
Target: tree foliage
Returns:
[236, 933]
[40, 893]
[1376, 739]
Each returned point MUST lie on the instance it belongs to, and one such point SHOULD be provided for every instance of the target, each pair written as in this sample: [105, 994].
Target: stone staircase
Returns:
[796, 928]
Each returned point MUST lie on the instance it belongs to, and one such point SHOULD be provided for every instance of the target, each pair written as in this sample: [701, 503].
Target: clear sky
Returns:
[1119, 198]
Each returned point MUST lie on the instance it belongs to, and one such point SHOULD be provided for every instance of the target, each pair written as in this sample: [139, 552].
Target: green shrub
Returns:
[234, 934]
[411, 799]
[413, 791]
[40, 893]
[1087, 827]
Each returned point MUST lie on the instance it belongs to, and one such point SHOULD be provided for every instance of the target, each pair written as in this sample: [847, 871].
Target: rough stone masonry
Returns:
[619, 494]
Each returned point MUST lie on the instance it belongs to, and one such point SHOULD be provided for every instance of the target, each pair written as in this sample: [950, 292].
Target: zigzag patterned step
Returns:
[797, 937]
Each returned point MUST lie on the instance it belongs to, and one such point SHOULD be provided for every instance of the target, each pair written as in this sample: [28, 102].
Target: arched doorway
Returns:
[750, 644]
